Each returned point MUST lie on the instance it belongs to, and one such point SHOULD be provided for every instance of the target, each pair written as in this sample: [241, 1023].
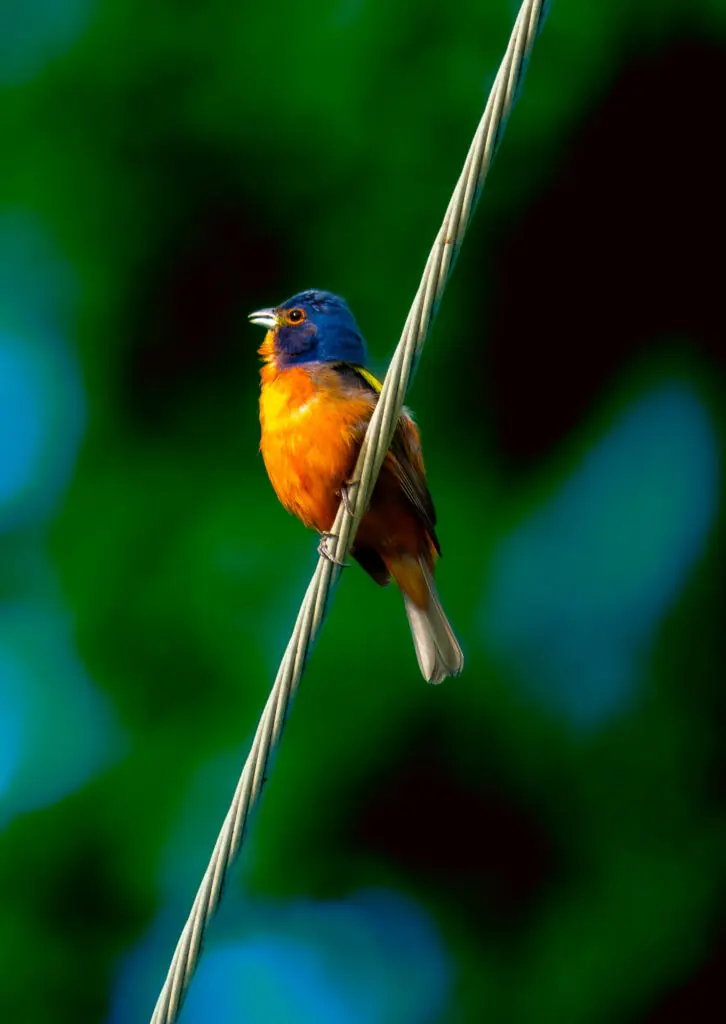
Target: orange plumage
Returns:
[313, 415]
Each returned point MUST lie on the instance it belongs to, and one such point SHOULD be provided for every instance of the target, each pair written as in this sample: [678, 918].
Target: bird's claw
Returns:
[323, 550]
[345, 495]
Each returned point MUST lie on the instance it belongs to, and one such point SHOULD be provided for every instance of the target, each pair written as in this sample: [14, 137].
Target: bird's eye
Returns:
[296, 316]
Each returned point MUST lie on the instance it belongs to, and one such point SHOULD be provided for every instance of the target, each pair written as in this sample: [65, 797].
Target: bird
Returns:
[316, 399]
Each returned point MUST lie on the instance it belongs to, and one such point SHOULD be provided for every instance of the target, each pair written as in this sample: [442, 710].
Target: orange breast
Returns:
[309, 443]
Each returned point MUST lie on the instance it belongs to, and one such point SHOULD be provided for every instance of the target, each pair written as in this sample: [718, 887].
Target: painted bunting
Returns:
[316, 400]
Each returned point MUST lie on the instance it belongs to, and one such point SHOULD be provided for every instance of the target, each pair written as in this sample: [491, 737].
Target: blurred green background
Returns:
[542, 840]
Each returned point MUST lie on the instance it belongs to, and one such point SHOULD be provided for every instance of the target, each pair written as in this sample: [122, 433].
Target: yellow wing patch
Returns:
[368, 376]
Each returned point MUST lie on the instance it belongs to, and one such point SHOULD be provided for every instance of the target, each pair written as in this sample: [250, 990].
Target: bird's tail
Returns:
[437, 649]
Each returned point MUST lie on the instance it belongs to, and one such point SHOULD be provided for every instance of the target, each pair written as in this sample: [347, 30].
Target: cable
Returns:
[373, 451]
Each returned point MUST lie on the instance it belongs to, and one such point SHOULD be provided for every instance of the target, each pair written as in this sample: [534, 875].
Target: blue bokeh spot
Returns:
[21, 419]
[12, 710]
[35, 31]
[42, 405]
[56, 731]
[371, 958]
[578, 589]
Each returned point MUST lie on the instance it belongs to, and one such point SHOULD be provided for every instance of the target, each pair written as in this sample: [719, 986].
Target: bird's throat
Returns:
[270, 369]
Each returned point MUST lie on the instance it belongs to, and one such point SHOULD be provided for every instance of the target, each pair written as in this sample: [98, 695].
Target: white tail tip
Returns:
[437, 649]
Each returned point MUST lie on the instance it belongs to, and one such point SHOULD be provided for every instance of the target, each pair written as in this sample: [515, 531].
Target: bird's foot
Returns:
[323, 550]
[345, 495]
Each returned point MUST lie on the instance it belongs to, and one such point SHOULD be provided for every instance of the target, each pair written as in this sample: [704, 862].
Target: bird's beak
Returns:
[264, 318]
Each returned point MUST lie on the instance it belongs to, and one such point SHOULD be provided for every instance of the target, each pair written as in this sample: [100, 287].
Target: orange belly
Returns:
[308, 444]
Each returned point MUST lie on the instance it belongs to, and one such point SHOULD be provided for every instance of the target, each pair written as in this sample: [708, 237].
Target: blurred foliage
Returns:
[541, 840]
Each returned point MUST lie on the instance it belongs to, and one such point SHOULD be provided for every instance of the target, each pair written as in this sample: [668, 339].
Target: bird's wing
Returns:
[404, 457]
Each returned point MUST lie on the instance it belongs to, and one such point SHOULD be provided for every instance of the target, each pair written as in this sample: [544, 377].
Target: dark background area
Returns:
[543, 839]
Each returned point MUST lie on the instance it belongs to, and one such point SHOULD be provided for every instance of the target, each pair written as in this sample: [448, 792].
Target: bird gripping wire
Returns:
[373, 451]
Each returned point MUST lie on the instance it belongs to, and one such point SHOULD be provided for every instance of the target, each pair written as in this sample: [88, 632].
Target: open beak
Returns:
[264, 318]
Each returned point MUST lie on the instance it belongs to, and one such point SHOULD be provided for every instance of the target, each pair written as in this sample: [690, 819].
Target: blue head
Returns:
[312, 326]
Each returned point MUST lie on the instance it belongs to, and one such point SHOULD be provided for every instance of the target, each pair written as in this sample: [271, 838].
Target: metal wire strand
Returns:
[373, 450]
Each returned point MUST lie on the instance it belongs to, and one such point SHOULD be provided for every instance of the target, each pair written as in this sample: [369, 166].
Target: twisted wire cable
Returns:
[373, 451]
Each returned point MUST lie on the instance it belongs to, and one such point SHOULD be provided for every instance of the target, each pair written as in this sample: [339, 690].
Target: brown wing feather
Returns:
[404, 458]
[407, 462]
